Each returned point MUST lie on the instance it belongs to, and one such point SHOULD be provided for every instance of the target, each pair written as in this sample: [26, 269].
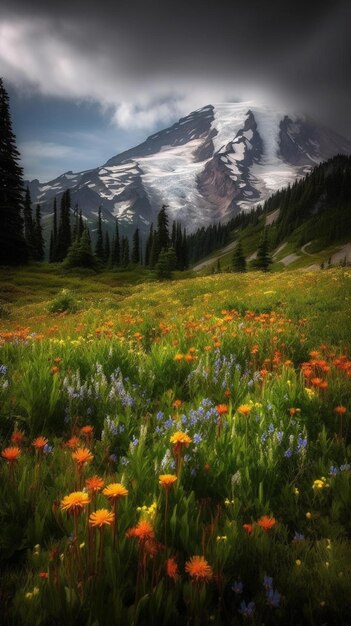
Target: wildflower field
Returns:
[176, 453]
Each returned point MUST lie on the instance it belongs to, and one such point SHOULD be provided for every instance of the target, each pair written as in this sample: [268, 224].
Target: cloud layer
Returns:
[148, 63]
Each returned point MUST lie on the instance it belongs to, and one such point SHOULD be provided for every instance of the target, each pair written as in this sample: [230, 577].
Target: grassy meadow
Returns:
[175, 452]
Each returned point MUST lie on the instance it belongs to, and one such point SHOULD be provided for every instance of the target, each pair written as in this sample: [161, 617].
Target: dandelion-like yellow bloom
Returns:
[101, 517]
[39, 443]
[244, 409]
[320, 483]
[114, 491]
[11, 454]
[94, 483]
[180, 438]
[75, 502]
[167, 480]
[199, 569]
[82, 455]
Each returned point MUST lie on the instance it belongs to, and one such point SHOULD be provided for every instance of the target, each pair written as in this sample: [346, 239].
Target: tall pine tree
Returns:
[38, 235]
[13, 248]
[238, 260]
[136, 247]
[64, 237]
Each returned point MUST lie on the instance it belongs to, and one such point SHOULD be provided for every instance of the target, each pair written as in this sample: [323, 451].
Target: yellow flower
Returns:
[101, 517]
[180, 438]
[167, 480]
[114, 491]
[298, 562]
[320, 483]
[75, 502]
[244, 409]
[308, 515]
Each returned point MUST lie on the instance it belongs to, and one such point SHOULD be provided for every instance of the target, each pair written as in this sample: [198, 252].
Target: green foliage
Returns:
[224, 359]
[64, 301]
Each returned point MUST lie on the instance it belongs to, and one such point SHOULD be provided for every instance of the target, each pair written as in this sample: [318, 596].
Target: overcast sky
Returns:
[89, 79]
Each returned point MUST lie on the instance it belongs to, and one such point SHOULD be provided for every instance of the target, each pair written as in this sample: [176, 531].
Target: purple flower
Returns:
[273, 598]
[237, 587]
[247, 610]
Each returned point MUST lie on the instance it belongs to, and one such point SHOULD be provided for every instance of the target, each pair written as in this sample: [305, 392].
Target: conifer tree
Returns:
[29, 230]
[53, 236]
[162, 230]
[107, 248]
[149, 245]
[99, 246]
[38, 236]
[80, 224]
[116, 248]
[125, 252]
[80, 253]
[64, 237]
[13, 248]
[238, 260]
[263, 259]
[136, 247]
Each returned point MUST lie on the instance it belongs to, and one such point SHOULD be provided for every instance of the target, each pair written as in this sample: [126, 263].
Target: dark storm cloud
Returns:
[155, 58]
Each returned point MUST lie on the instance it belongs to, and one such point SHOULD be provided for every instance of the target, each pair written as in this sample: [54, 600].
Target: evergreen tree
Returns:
[80, 224]
[64, 237]
[13, 248]
[107, 248]
[263, 259]
[53, 236]
[80, 253]
[149, 245]
[125, 252]
[136, 247]
[116, 248]
[75, 230]
[239, 261]
[38, 236]
[29, 230]
[166, 263]
[51, 247]
[162, 230]
[99, 246]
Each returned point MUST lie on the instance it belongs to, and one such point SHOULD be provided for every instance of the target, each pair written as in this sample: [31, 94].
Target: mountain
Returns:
[207, 167]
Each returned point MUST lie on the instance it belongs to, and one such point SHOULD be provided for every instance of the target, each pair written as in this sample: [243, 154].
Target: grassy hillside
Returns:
[175, 452]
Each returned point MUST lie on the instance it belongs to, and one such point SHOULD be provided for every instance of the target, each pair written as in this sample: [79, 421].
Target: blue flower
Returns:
[197, 438]
[113, 458]
[345, 467]
[237, 586]
[247, 610]
[3, 370]
[288, 453]
[298, 537]
[47, 449]
[267, 582]
[273, 598]
[333, 470]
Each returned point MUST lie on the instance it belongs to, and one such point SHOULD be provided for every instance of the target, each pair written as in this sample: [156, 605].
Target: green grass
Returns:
[224, 358]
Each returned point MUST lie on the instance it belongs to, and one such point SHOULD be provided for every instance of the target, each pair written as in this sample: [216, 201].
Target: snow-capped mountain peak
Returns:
[208, 166]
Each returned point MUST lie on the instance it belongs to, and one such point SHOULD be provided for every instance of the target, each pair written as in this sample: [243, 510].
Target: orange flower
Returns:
[87, 430]
[94, 483]
[266, 522]
[114, 491]
[39, 443]
[43, 575]
[178, 357]
[73, 442]
[167, 480]
[199, 569]
[292, 411]
[57, 360]
[172, 568]
[11, 454]
[75, 502]
[177, 404]
[54, 370]
[143, 531]
[180, 438]
[244, 409]
[316, 382]
[100, 518]
[222, 409]
[17, 437]
[340, 410]
[227, 393]
[82, 455]
[248, 528]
